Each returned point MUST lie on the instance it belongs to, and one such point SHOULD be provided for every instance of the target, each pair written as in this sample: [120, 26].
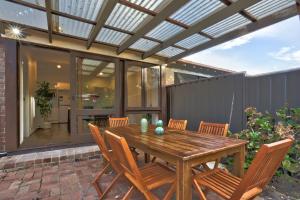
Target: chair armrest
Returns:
[251, 193]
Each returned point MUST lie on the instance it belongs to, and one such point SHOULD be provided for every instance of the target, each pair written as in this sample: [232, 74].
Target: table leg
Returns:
[239, 160]
[147, 158]
[184, 180]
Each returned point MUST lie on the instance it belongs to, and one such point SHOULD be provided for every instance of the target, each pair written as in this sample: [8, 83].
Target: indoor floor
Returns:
[57, 135]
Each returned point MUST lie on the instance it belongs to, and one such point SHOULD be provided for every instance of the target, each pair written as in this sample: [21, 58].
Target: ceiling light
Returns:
[15, 32]
[101, 73]
[58, 66]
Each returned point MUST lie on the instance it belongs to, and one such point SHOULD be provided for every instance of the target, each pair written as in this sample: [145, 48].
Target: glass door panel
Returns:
[152, 86]
[95, 92]
[134, 86]
[96, 84]
[136, 118]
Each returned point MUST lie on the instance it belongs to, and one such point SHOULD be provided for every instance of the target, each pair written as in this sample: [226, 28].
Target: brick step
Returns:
[51, 158]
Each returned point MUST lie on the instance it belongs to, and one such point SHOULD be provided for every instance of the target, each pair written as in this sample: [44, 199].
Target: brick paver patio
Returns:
[68, 180]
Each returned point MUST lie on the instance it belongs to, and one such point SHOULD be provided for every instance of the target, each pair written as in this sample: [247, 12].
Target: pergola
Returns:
[171, 29]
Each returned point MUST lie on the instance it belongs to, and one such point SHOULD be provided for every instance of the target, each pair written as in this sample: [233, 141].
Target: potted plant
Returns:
[43, 97]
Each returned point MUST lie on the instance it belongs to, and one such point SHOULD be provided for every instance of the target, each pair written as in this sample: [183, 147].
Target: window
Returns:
[142, 87]
[152, 85]
[134, 86]
[96, 84]
[136, 118]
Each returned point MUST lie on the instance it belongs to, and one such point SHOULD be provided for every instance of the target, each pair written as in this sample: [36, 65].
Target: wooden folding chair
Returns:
[108, 159]
[118, 122]
[213, 129]
[263, 167]
[177, 124]
[145, 178]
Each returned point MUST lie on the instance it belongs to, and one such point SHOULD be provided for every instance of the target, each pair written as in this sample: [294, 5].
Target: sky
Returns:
[274, 48]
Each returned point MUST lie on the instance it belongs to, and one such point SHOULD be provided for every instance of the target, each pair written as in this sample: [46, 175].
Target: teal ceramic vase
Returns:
[159, 123]
[144, 125]
[159, 130]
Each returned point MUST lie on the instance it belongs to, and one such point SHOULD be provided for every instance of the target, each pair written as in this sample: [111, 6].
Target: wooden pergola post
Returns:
[298, 7]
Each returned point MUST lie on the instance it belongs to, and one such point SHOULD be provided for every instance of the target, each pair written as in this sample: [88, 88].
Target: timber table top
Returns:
[183, 145]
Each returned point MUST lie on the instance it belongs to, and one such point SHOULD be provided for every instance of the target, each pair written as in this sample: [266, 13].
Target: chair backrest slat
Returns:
[263, 167]
[213, 128]
[122, 153]
[99, 140]
[118, 122]
[177, 124]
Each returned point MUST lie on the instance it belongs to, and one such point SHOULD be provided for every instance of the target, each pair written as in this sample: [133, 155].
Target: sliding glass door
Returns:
[95, 89]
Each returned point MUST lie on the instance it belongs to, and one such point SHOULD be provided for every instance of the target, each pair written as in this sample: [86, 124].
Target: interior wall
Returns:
[28, 77]
[32, 79]
[50, 73]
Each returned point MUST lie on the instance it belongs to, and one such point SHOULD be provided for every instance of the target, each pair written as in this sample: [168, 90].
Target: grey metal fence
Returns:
[224, 98]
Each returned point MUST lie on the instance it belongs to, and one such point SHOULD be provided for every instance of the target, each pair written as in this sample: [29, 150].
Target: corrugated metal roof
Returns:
[73, 27]
[164, 31]
[110, 36]
[23, 15]
[144, 44]
[154, 5]
[268, 7]
[192, 41]
[170, 51]
[227, 25]
[36, 2]
[87, 9]
[196, 10]
[126, 18]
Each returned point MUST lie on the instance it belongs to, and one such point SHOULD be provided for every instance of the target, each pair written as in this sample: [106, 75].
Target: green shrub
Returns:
[263, 128]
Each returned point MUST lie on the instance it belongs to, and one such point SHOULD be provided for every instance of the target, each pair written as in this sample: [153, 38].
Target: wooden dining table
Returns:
[184, 149]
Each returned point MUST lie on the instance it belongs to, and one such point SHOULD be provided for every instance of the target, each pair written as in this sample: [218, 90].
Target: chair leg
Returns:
[111, 185]
[150, 196]
[128, 194]
[153, 159]
[170, 192]
[217, 161]
[206, 167]
[199, 190]
[95, 182]
[147, 157]
[135, 153]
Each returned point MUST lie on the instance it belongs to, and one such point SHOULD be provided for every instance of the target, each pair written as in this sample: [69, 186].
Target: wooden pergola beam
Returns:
[161, 16]
[262, 23]
[152, 13]
[298, 7]
[205, 23]
[101, 19]
[49, 19]
[244, 13]
[84, 20]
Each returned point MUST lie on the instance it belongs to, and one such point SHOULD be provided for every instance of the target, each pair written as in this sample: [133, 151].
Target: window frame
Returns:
[143, 108]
